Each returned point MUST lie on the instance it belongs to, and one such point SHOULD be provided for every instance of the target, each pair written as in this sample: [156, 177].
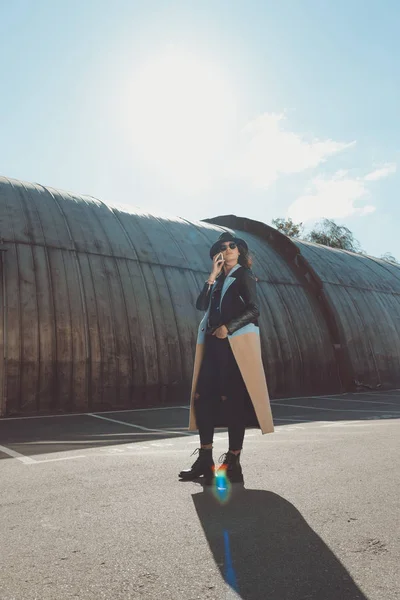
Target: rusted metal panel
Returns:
[83, 226]
[297, 338]
[107, 346]
[180, 286]
[46, 351]
[3, 335]
[60, 262]
[77, 327]
[40, 222]
[139, 244]
[164, 324]
[350, 269]
[13, 225]
[47, 222]
[12, 317]
[122, 330]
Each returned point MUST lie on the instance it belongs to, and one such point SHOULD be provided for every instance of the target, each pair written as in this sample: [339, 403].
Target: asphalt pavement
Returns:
[91, 506]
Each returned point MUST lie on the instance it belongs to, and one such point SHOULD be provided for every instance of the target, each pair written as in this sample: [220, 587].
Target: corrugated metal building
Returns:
[97, 306]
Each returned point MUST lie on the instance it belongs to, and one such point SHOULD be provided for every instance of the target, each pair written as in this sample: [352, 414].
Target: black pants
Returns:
[222, 398]
[235, 434]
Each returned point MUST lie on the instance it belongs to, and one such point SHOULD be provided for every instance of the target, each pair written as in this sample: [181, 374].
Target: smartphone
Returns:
[220, 257]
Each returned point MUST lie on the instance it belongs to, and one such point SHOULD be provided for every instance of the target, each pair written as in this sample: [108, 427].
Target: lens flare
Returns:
[230, 573]
[222, 485]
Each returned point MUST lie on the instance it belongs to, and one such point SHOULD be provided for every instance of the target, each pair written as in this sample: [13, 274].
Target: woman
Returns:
[229, 387]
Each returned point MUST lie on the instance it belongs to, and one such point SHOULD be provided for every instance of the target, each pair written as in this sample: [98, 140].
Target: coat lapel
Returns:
[203, 323]
[227, 283]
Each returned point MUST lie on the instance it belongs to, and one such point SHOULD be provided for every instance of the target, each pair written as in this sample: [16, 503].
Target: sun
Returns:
[181, 114]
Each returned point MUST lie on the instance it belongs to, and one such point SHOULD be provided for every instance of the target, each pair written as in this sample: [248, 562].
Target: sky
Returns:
[196, 109]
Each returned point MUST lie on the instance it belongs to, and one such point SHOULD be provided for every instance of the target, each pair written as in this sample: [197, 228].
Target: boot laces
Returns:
[223, 459]
[198, 459]
[198, 451]
[228, 458]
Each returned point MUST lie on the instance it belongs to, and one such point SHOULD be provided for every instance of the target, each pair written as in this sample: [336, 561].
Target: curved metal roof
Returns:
[97, 304]
[364, 295]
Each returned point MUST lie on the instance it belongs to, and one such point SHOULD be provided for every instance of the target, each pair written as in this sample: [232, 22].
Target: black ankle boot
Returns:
[204, 465]
[232, 467]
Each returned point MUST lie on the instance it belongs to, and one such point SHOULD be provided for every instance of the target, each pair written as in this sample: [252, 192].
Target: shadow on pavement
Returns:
[264, 548]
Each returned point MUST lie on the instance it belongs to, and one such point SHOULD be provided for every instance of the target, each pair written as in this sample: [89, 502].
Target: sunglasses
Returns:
[231, 245]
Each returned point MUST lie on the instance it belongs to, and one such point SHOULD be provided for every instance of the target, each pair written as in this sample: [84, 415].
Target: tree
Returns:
[329, 233]
[390, 258]
[287, 227]
[326, 233]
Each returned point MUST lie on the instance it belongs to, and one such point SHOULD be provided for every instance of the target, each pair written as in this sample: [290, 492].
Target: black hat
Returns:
[226, 237]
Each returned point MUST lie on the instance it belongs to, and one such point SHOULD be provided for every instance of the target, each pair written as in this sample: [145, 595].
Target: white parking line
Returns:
[379, 394]
[293, 419]
[336, 399]
[347, 424]
[127, 410]
[308, 397]
[27, 460]
[160, 445]
[137, 446]
[323, 408]
[138, 426]
[349, 400]
[47, 460]
[76, 442]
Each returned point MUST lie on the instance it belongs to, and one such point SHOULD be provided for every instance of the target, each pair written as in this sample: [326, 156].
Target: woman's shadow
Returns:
[266, 550]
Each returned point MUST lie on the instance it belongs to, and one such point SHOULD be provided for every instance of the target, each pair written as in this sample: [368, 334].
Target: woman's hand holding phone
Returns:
[218, 263]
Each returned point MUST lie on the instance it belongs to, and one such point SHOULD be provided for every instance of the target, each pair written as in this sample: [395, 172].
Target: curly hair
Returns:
[245, 259]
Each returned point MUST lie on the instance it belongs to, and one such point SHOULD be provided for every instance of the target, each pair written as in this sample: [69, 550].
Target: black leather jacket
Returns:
[239, 306]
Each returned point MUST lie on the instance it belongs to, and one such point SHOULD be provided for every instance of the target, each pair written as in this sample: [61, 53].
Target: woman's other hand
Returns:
[221, 332]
